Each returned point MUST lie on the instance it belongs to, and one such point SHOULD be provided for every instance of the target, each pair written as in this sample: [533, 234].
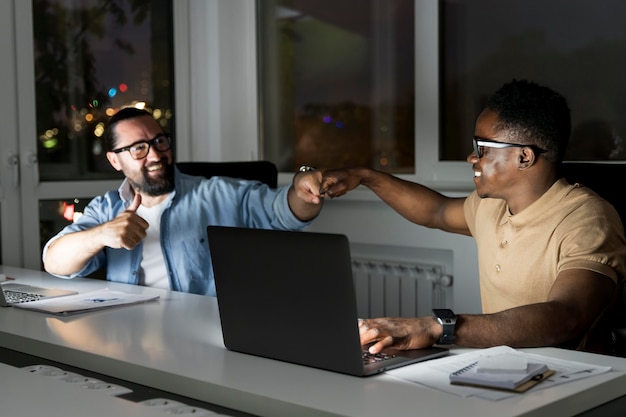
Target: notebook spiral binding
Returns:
[465, 369]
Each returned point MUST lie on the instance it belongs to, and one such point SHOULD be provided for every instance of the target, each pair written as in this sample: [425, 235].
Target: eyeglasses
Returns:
[139, 150]
[480, 143]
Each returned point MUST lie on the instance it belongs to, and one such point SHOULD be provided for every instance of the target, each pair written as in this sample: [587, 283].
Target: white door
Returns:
[10, 213]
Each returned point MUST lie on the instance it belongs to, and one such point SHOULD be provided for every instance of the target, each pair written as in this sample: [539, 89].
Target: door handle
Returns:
[14, 167]
[32, 160]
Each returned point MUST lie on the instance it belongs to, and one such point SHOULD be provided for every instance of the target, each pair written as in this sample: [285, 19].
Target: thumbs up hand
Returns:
[127, 230]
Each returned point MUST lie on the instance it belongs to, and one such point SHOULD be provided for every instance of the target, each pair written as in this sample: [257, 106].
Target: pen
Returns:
[566, 376]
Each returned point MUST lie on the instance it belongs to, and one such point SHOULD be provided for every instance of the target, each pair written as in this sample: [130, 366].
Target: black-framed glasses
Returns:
[139, 150]
[480, 143]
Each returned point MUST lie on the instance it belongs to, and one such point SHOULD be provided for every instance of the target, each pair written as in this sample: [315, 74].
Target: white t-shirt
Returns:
[153, 272]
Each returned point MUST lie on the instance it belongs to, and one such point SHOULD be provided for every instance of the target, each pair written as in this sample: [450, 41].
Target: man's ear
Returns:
[527, 157]
[112, 157]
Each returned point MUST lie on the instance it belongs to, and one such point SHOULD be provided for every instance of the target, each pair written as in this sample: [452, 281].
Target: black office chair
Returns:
[263, 171]
[605, 179]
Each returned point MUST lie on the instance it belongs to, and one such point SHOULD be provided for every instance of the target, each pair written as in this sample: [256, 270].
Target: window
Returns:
[91, 58]
[337, 83]
[576, 47]
[315, 65]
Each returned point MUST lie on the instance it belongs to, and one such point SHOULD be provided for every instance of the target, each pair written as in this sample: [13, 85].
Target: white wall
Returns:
[375, 223]
[215, 66]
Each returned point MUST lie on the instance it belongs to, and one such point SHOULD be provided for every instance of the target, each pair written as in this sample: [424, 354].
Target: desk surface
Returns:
[175, 345]
[26, 395]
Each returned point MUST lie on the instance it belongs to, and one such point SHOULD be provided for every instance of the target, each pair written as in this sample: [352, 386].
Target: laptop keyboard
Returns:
[369, 358]
[14, 297]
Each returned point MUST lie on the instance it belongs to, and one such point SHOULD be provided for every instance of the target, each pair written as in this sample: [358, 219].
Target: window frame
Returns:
[430, 170]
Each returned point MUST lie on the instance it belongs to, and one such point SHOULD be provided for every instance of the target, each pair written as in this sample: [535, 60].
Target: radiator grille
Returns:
[399, 289]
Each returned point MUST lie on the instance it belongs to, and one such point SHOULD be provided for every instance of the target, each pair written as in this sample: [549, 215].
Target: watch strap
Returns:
[447, 319]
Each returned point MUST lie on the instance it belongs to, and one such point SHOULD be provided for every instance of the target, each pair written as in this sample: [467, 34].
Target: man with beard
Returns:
[152, 230]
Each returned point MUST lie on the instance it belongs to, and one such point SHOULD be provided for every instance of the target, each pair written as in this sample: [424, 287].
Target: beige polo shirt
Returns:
[520, 256]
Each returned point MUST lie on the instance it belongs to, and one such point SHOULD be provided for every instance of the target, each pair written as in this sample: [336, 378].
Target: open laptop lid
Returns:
[290, 296]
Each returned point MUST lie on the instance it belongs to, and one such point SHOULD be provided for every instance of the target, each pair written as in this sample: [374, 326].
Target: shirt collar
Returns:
[539, 207]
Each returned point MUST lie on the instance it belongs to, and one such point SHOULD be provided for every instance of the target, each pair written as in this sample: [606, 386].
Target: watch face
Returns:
[444, 313]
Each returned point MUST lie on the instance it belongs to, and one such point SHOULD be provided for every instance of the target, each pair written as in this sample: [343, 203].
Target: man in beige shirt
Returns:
[550, 253]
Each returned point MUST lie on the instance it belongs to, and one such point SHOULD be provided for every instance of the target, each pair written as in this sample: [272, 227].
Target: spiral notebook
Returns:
[510, 381]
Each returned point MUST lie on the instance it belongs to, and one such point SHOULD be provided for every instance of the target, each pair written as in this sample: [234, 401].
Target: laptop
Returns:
[290, 296]
[15, 293]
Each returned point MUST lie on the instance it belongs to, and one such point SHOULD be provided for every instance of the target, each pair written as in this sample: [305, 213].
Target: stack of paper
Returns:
[436, 373]
[88, 301]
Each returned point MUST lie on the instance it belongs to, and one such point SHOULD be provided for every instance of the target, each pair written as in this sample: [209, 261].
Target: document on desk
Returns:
[436, 373]
[83, 302]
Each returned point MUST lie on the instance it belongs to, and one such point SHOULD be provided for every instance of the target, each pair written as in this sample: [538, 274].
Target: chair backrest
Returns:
[605, 179]
[263, 171]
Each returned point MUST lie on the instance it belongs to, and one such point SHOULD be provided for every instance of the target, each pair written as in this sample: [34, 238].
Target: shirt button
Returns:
[498, 268]
[504, 243]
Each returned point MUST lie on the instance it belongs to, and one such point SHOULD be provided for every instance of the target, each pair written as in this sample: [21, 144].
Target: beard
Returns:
[156, 186]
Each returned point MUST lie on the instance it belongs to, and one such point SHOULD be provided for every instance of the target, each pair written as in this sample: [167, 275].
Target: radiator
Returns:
[388, 288]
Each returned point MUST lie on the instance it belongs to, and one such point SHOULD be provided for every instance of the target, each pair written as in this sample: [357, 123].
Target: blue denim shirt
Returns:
[196, 203]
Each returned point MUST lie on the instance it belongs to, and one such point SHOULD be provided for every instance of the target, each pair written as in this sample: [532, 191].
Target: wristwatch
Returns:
[306, 168]
[447, 319]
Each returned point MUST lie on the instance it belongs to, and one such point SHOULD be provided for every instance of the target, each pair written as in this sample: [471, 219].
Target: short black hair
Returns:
[110, 138]
[534, 114]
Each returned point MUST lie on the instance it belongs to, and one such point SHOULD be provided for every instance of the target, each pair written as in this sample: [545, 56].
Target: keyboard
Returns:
[375, 357]
[15, 297]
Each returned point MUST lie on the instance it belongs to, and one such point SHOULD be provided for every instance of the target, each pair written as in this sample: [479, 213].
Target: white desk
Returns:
[175, 345]
[26, 395]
